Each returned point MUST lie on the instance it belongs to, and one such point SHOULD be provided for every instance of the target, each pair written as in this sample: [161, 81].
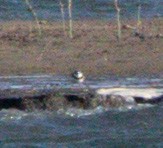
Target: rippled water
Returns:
[136, 128]
[99, 127]
[101, 9]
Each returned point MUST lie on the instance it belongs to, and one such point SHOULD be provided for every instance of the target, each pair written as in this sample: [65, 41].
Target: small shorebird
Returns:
[78, 75]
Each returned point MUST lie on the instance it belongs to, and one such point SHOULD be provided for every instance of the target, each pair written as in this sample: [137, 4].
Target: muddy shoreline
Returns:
[57, 100]
[94, 49]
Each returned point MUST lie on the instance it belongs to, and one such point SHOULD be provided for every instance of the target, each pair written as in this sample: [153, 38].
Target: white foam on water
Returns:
[146, 93]
[75, 112]
[78, 112]
[12, 115]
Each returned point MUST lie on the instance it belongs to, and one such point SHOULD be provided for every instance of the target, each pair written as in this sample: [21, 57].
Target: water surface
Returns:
[91, 9]
[99, 127]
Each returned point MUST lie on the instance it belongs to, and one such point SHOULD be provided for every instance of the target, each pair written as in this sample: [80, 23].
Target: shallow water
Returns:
[92, 9]
[136, 128]
[99, 127]
[45, 83]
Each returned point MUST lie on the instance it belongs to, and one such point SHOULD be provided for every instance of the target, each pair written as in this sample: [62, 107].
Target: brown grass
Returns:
[94, 48]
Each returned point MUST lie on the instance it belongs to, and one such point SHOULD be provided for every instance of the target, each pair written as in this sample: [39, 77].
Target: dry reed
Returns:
[70, 18]
[118, 19]
[63, 16]
[139, 22]
[35, 16]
